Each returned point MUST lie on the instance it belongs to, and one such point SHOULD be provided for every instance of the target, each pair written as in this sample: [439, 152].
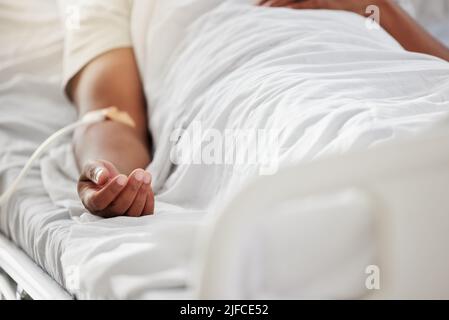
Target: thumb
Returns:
[96, 172]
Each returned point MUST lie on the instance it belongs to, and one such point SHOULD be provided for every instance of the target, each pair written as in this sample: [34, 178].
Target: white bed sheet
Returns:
[32, 107]
[150, 257]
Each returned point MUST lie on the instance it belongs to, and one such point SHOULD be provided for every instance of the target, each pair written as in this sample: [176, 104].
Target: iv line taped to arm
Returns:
[112, 113]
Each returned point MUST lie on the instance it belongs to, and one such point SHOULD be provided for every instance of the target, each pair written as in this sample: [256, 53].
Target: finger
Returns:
[126, 198]
[138, 204]
[149, 204]
[148, 210]
[96, 172]
[99, 200]
[111, 168]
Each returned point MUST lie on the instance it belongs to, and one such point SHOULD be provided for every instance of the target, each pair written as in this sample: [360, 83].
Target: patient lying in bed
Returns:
[102, 71]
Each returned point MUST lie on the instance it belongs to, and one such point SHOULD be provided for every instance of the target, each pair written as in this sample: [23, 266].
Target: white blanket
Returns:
[333, 86]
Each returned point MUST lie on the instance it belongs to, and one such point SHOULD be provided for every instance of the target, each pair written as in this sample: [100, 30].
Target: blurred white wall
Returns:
[434, 15]
[30, 31]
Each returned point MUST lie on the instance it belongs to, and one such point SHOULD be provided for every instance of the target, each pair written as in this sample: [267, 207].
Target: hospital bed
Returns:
[397, 196]
[376, 197]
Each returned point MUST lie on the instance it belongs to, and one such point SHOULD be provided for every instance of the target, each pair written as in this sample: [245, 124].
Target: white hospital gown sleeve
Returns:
[93, 27]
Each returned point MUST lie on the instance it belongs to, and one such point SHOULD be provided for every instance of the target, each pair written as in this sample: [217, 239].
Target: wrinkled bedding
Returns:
[321, 79]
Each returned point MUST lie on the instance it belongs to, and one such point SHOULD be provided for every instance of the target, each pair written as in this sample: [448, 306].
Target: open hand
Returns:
[107, 193]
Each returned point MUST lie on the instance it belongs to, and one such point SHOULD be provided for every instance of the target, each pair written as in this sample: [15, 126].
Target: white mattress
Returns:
[125, 257]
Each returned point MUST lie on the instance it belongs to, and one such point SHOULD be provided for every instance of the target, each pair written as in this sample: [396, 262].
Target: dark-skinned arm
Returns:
[111, 155]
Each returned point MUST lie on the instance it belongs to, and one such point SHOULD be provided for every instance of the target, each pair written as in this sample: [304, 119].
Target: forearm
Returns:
[408, 32]
[112, 80]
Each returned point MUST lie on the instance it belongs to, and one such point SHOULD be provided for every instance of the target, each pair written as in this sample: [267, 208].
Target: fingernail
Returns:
[139, 175]
[97, 174]
[121, 180]
[147, 178]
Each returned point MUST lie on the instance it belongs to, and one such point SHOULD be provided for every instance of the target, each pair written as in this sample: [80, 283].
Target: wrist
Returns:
[111, 141]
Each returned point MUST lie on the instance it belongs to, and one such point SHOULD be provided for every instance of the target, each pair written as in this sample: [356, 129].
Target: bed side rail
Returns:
[23, 274]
